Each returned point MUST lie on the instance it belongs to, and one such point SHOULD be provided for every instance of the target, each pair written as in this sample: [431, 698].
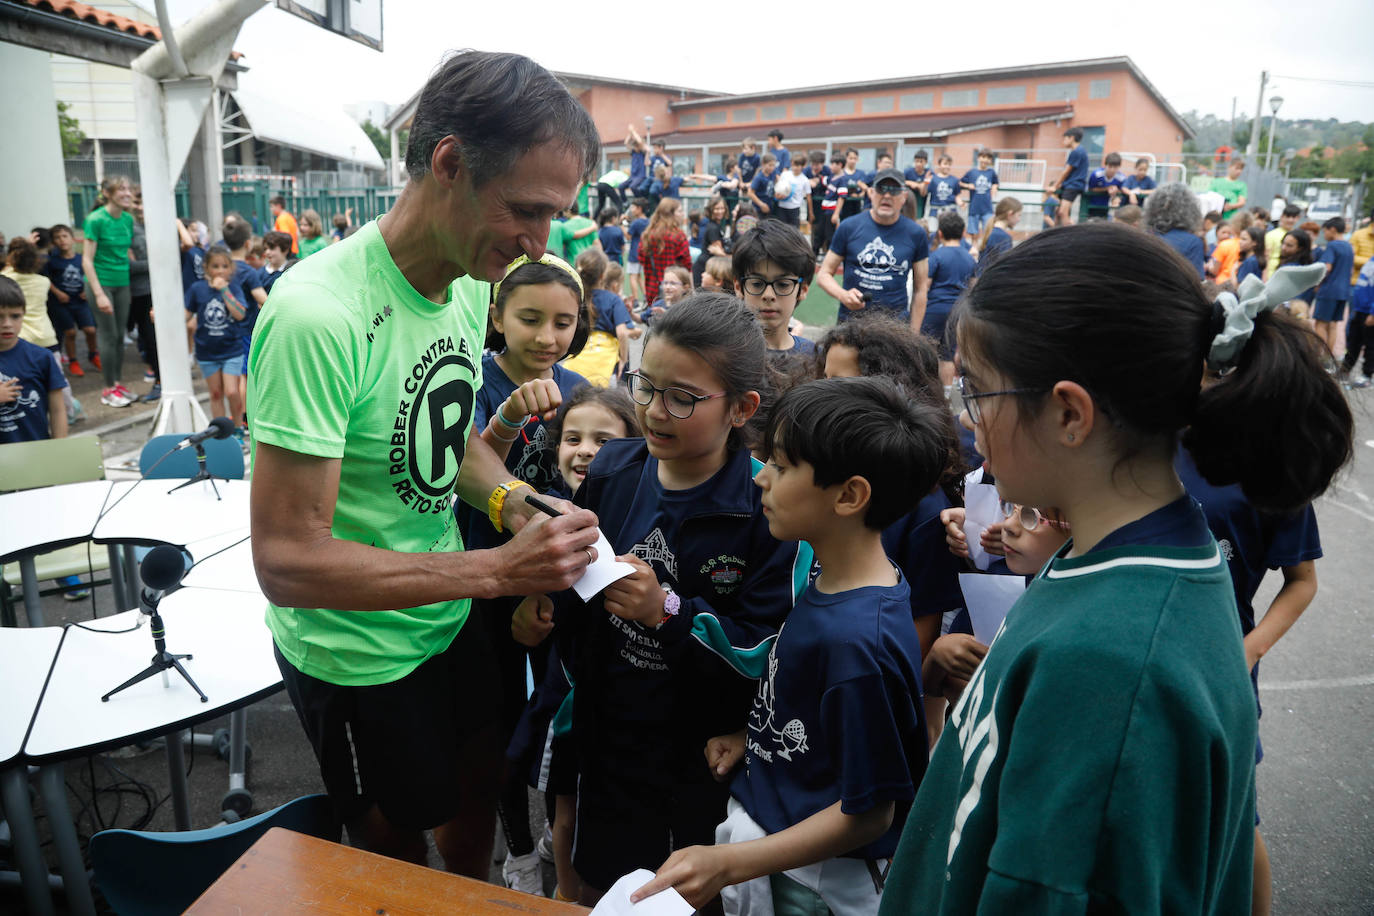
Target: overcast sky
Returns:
[1199, 55]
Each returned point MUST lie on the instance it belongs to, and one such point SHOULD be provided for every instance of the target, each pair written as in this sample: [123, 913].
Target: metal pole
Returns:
[1253, 146]
[1269, 154]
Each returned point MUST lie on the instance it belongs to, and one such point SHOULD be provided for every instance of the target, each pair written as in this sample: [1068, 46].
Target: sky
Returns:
[1198, 55]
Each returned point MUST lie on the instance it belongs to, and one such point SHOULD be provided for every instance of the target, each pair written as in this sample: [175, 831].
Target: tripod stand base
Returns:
[202, 475]
[161, 662]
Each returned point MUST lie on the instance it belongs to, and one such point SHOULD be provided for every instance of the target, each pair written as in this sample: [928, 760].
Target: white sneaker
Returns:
[545, 845]
[523, 873]
[111, 397]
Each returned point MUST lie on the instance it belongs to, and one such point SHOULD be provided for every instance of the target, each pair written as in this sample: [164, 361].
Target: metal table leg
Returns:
[75, 882]
[176, 769]
[33, 874]
[121, 593]
[33, 605]
[131, 578]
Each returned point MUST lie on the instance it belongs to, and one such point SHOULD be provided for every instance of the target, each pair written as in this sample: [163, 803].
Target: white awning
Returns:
[322, 131]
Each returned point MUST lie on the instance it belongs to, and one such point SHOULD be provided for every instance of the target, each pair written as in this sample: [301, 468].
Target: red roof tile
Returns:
[73, 9]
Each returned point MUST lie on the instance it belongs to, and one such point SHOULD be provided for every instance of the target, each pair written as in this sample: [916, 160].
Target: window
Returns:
[1094, 143]
[744, 115]
[806, 110]
[918, 101]
[690, 120]
[959, 98]
[1056, 92]
[1100, 89]
[839, 107]
[1007, 95]
[877, 104]
[714, 117]
[774, 112]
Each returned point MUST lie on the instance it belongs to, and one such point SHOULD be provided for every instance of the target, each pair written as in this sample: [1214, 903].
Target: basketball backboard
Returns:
[360, 20]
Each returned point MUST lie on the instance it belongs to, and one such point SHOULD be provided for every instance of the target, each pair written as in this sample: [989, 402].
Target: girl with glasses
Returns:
[1113, 711]
[664, 659]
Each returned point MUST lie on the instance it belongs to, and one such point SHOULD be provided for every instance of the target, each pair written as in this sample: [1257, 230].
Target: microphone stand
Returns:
[202, 473]
[162, 659]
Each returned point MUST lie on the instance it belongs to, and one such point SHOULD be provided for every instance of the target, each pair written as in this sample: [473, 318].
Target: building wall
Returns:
[101, 96]
[612, 108]
[31, 156]
[1148, 128]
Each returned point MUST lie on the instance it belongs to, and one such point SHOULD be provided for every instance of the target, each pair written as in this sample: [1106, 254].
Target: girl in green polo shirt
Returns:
[109, 230]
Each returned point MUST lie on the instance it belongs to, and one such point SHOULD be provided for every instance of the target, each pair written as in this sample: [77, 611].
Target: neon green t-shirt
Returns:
[1231, 189]
[112, 237]
[310, 246]
[573, 246]
[350, 362]
[558, 237]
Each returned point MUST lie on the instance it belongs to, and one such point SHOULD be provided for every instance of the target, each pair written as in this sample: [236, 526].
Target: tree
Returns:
[70, 128]
[379, 138]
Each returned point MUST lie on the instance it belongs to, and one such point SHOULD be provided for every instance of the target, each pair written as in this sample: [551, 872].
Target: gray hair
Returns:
[1173, 206]
[499, 106]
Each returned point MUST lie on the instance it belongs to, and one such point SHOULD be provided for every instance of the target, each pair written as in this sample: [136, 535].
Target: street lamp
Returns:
[1275, 103]
[648, 127]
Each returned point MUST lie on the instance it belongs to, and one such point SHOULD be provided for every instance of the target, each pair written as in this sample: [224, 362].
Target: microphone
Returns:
[219, 428]
[161, 570]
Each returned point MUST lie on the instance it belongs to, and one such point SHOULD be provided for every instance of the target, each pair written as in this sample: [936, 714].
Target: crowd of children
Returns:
[784, 705]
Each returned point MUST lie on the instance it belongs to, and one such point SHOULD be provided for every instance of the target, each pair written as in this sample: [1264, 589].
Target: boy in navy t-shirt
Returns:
[918, 179]
[1073, 181]
[748, 160]
[611, 234]
[31, 383]
[773, 266]
[1334, 291]
[761, 188]
[276, 256]
[67, 306]
[836, 742]
[1105, 187]
[981, 183]
[943, 188]
[635, 224]
[951, 266]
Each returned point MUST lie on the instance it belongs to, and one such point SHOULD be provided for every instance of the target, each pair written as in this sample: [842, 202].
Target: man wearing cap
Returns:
[365, 370]
[880, 251]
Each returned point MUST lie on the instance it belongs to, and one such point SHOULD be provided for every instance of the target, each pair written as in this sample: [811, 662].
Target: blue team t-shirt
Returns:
[980, 198]
[1078, 163]
[877, 259]
[1362, 296]
[1252, 542]
[192, 267]
[612, 242]
[1341, 257]
[784, 157]
[1187, 244]
[1181, 523]
[1139, 184]
[999, 242]
[1098, 183]
[912, 174]
[637, 174]
[611, 312]
[248, 278]
[950, 269]
[916, 543]
[748, 165]
[838, 716]
[637, 227]
[943, 191]
[762, 185]
[217, 334]
[532, 458]
[26, 418]
[66, 274]
[1250, 265]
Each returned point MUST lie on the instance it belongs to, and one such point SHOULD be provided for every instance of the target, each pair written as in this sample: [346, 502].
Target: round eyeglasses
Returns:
[1030, 518]
[782, 286]
[971, 397]
[679, 402]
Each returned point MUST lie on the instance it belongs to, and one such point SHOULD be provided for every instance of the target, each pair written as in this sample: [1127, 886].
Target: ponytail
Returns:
[1279, 424]
[591, 267]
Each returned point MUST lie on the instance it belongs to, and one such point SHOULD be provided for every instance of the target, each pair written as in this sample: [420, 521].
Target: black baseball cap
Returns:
[889, 175]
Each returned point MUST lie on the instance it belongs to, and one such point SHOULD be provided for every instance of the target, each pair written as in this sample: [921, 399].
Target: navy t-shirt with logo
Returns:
[248, 278]
[762, 185]
[838, 714]
[25, 419]
[66, 275]
[877, 259]
[980, 198]
[192, 267]
[217, 333]
[943, 191]
[748, 165]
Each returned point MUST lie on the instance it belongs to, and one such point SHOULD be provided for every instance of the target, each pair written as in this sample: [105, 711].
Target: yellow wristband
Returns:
[497, 501]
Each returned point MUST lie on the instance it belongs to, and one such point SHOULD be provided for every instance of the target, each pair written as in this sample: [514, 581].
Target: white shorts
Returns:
[633, 269]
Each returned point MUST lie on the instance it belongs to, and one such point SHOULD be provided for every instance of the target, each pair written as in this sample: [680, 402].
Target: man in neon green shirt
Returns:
[365, 366]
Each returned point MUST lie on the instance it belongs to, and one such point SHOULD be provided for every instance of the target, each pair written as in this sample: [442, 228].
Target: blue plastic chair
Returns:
[223, 458]
[150, 873]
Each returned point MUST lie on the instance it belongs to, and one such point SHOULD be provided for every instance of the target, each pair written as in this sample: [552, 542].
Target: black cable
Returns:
[220, 551]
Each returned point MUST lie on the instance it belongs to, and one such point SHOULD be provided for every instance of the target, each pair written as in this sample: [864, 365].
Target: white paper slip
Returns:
[982, 510]
[988, 598]
[664, 903]
[603, 572]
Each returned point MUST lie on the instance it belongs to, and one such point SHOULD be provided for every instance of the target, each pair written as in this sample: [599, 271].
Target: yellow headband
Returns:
[550, 260]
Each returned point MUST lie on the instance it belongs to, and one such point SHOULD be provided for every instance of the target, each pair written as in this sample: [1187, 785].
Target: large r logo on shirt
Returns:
[439, 424]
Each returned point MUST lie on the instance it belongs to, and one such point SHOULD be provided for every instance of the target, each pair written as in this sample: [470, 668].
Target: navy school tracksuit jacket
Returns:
[737, 585]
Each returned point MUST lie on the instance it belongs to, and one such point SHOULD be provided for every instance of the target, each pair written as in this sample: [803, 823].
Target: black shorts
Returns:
[1069, 195]
[789, 215]
[935, 325]
[420, 747]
